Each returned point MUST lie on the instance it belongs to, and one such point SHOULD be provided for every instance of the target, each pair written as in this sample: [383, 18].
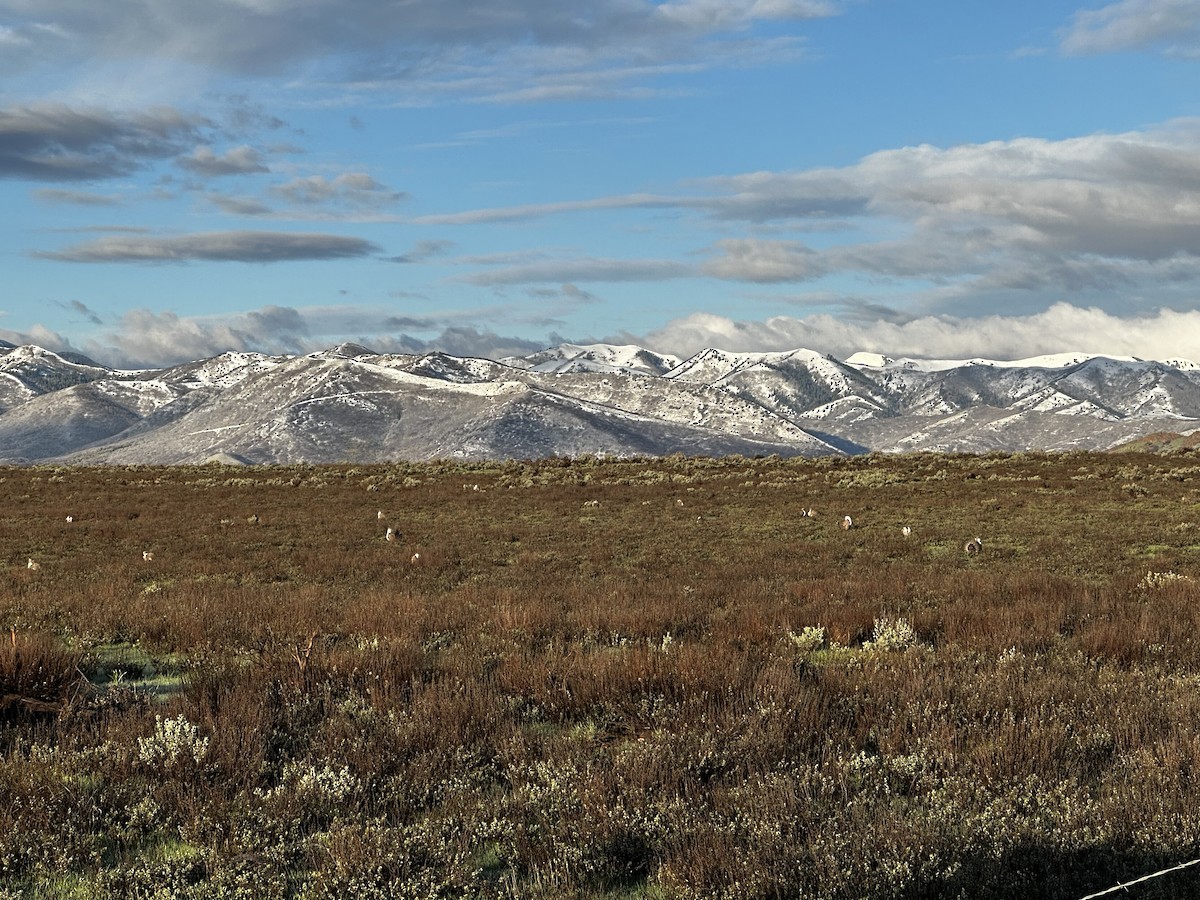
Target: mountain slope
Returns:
[325, 409]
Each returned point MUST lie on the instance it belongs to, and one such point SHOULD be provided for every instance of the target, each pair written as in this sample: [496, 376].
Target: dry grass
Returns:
[567, 698]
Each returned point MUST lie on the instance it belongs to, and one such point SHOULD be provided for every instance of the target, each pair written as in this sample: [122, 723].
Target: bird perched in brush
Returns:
[847, 523]
[32, 565]
[973, 546]
[147, 556]
[906, 531]
[391, 535]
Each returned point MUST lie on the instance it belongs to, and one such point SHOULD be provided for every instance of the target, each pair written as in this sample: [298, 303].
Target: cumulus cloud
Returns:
[241, 160]
[1134, 194]
[144, 338]
[1164, 334]
[1172, 26]
[59, 143]
[222, 246]
[41, 336]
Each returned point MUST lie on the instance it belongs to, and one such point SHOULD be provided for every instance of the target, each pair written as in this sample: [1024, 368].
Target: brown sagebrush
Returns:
[38, 676]
[691, 688]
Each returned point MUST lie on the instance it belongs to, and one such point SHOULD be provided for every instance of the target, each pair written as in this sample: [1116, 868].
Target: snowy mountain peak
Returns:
[627, 359]
[712, 364]
[866, 360]
[25, 353]
[347, 349]
[863, 359]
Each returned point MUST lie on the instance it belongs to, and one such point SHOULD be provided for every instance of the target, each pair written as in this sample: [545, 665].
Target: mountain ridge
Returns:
[349, 403]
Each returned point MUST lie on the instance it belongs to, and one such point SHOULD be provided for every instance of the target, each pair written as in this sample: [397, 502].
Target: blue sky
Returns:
[938, 179]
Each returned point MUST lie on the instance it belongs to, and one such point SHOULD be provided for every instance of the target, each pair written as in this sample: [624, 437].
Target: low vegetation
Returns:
[602, 679]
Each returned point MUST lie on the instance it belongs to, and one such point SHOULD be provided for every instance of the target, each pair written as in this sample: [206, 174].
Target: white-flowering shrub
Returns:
[323, 783]
[811, 638]
[173, 740]
[891, 634]
[1155, 580]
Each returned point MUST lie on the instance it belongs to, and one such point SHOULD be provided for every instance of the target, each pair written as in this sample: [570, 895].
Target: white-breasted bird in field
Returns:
[973, 546]
[32, 565]
[390, 535]
[906, 531]
[847, 523]
[147, 556]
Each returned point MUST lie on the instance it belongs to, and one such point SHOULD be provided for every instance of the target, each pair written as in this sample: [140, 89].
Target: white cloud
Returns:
[1107, 219]
[1164, 334]
[512, 52]
[1115, 216]
[144, 338]
[1134, 195]
[41, 336]
[1169, 25]
[765, 261]
[707, 15]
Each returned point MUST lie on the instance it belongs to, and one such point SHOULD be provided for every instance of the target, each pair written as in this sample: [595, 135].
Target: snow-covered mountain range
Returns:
[349, 403]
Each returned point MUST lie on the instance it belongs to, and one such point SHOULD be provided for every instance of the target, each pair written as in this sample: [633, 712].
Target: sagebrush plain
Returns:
[653, 678]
